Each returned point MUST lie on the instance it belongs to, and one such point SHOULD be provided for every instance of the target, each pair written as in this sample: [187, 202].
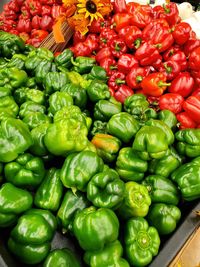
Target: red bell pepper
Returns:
[7, 25]
[35, 23]
[81, 49]
[133, 37]
[46, 10]
[140, 17]
[106, 36]
[109, 64]
[147, 54]
[46, 23]
[57, 11]
[25, 13]
[12, 5]
[37, 36]
[92, 41]
[135, 77]
[181, 32]
[190, 45]
[123, 31]
[153, 27]
[116, 80]
[120, 20]
[183, 84]
[20, 2]
[103, 53]
[118, 47]
[126, 62]
[119, 6]
[172, 102]
[158, 11]
[13, 31]
[196, 92]
[194, 59]
[185, 121]
[78, 37]
[98, 25]
[154, 84]
[24, 25]
[171, 69]
[180, 58]
[171, 13]
[196, 76]
[170, 52]
[25, 36]
[122, 93]
[192, 106]
[34, 7]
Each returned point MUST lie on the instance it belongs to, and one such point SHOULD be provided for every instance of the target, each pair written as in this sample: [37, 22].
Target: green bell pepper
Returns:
[55, 81]
[49, 193]
[136, 201]
[169, 118]
[10, 44]
[17, 61]
[30, 107]
[31, 83]
[83, 64]
[161, 189]
[70, 206]
[97, 73]
[35, 119]
[129, 166]
[15, 139]
[24, 94]
[64, 59]
[78, 94]
[105, 109]
[164, 217]
[1, 172]
[61, 257]
[107, 146]
[13, 201]
[66, 136]
[142, 242]
[187, 177]
[110, 256]
[188, 142]
[150, 142]
[42, 53]
[30, 239]
[123, 126]
[79, 168]
[8, 104]
[26, 171]
[38, 147]
[4, 91]
[58, 100]
[106, 190]
[42, 71]
[95, 228]
[167, 164]
[97, 90]
[99, 127]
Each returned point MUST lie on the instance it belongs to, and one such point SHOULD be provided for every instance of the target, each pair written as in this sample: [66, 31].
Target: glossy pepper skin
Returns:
[135, 77]
[123, 126]
[103, 230]
[13, 201]
[9, 106]
[187, 177]
[98, 73]
[188, 142]
[42, 70]
[55, 81]
[192, 106]
[33, 120]
[142, 242]
[98, 127]
[194, 59]
[107, 146]
[183, 84]
[30, 239]
[17, 61]
[71, 204]
[147, 54]
[49, 193]
[61, 257]
[172, 102]
[168, 117]
[64, 59]
[167, 164]
[79, 168]
[111, 255]
[15, 139]
[170, 68]
[129, 166]
[106, 190]
[66, 136]
[164, 217]
[29, 107]
[136, 201]
[83, 64]
[105, 109]
[161, 189]
[58, 100]
[181, 32]
[150, 142]
[24, 94]
[98, 90]
[26, 171]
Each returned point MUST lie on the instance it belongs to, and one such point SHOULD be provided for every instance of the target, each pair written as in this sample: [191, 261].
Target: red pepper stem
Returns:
[139, 78]
[163, 84]
[119, 81]
[137, 43]
[117, 47]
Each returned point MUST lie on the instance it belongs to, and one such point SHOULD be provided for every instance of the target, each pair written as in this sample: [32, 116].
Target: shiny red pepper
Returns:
[183, 84]
[140, 17]
[154, 84]
[118, 47]
[119, 6]
[12, 5]
[196, 76]
[109, 64]
[126, 62]
[196, 92]
[103, 53]
[171, 13]
[46, 23]
[123, 31]
[135, 77]
[98, 25]
[170, 52]
[133, 37]
[81, 49]
[122, 93]
[34, 7]
[147, 54]
[25, 13]
[181, 32]
[116, 80]
[120, 20]
[48, 2]
[171, 69]
[24, 25]
[180, 58]
[185, 121]
[46, 10]
[172, 102]
[78, 37]
[10, 14]
[192, 106]
[92, 41]
[106, 36]
[35, 23]
[37, 36]
[194, 59]
[57, 11]
[7, 25]
[190, 45]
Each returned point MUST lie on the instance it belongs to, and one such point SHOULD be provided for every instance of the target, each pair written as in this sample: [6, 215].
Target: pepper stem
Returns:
[168, 69]
[119, 81]
[137, 43]
[139, 78]
[163, 84]
[73, 62]
[117, 47]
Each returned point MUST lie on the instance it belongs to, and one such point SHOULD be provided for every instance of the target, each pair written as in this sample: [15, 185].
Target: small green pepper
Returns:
[97, 73]
[98, 90]
[83, 64]
[55, 81]
[17, 61]
[58, 100]
[30, 107]
[64, 59]
[24, 94]
[35, 119]
[42, 71]
[9, 105]
[169, 118]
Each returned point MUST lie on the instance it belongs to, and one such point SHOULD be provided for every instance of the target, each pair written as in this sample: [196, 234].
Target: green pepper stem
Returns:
[137, 43]
[162, 84]
[139, 78]
[168, 69]
[119, 81]
[74, 62]
[117, 47]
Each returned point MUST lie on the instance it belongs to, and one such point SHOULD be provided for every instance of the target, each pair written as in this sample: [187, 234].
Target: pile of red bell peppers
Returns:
[32, 20]
[148, 50]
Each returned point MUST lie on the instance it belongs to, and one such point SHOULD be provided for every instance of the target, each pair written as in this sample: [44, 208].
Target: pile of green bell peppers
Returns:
[76, 161]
